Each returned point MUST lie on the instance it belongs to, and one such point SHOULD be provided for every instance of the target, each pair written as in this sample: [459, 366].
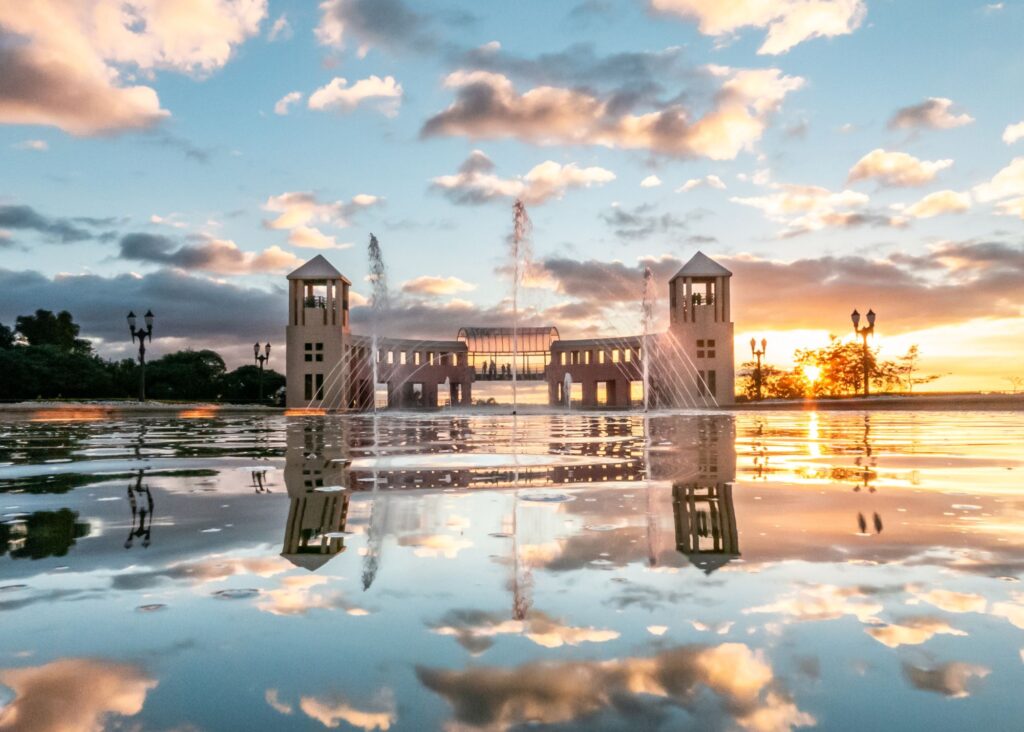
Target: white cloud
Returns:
[298, 211]
[281, 29]
[805, 208]
[476, 182]
[386, 92]
[283, 104]
[431, 285]
[896, 168]
[933, 113]
[35, 145]
[1007, 188]
[1012, 133]
[709, 181]
[788, 22]
[651, 181]
[940, 202]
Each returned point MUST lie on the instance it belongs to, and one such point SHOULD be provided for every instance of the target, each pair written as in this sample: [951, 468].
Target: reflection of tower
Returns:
[705, 519]
[705, 524]
[316, 518]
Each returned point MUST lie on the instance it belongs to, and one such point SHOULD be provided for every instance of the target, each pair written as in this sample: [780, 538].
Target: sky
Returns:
[184, 155]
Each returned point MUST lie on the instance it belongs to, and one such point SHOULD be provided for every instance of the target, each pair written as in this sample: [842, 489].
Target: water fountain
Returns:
[379, 302]
[567, 390]
[520, 253]
[647, 308]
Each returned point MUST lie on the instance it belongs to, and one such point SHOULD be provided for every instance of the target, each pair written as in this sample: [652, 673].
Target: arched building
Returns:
[690, 365]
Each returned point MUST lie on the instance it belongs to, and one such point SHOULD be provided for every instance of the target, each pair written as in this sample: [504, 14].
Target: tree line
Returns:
[43, 357]
[839, 371]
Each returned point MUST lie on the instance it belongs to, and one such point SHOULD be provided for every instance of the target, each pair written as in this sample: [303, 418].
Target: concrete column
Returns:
[467, 393]
[328, 319]
[689, 299]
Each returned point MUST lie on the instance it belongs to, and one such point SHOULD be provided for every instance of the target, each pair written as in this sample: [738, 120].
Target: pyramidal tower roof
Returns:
[701, 265]
[318, 268]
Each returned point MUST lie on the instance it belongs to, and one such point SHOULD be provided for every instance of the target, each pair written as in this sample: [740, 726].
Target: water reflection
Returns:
[140, 501]
[750, 571]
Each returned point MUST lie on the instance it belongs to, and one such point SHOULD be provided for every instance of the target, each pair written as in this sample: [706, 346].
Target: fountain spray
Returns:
[647, 308]
[520, 252]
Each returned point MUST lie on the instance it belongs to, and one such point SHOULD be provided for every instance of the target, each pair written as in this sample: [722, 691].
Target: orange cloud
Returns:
[487, 105]
[896, 168]
[70, 70]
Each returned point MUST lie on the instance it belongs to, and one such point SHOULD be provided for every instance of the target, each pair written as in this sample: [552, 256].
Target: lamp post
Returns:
[261, 358]
[142, 334]
[758, 354]
[864, 333]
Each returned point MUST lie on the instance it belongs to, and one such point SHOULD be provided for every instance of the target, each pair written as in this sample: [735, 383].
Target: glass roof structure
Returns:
[499, 340]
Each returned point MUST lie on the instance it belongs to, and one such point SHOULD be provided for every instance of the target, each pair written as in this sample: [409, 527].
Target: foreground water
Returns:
[760, 571]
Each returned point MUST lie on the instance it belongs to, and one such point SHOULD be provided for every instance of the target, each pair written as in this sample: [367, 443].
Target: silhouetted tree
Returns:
[6, 337]
[908, 366]
[47, 372]
[243, 384]
[186, 375]
[46, 329]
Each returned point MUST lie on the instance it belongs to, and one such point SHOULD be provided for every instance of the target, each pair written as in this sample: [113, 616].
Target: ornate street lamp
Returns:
[758, 354]
[864, 333]
[261, 358]
[141, 334]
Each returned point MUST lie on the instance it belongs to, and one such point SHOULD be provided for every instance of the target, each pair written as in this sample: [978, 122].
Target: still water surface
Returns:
[759, 571]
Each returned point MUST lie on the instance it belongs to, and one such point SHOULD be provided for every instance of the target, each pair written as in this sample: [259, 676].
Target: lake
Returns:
[601, 571]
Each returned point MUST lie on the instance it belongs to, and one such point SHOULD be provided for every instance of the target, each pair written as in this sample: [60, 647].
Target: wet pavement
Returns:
[757, 571]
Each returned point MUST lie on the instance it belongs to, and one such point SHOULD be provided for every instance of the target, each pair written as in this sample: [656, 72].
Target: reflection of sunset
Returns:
[199, 413]
[78, 414]
[811, 373]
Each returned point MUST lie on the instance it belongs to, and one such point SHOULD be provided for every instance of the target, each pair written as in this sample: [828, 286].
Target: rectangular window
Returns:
[417, 358]
[711, 384]
[430, 357]
[600, 356]
[319, 386]
[309, 388]
[615, 355]
[319, 352]
[561, 358]
[309, 352]
[627, 355]
[391, 357]
[602, 393]
[710, 354]
[588, 356]
[401, 357]
[711, 343]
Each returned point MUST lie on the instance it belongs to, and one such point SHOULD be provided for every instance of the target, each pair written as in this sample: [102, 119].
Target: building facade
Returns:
[689, 365]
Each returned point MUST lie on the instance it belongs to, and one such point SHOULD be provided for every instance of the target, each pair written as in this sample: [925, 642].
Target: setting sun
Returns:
[811, 373]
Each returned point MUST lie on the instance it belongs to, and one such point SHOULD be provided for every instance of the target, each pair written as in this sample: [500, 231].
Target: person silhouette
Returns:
[862, 523]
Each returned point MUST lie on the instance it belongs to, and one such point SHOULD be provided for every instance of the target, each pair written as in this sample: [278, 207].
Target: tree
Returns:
[243, 384]
[6, 337]
[186, 375]
[48, 372]
[1016, 383]
[907, 366]
[775, 383]
[840, 366]
[46, 329]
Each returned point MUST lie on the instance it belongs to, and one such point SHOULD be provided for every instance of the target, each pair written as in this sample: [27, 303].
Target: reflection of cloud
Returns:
[72, 695]
[331, 711]
[954, 602]
[912, 632]
[213, 568]
[475, 630]
[553, 693]
[824, 602]
[436, 545]
[949, 679]
[275, 701]
[1011, 611]
[295, 596]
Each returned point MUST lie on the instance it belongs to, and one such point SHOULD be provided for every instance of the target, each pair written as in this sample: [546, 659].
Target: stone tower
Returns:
[701, 327]
[318, 336]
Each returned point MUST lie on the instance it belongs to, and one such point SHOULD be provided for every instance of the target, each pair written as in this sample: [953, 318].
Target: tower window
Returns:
[309, 355]
[309, 387]
[319, 355]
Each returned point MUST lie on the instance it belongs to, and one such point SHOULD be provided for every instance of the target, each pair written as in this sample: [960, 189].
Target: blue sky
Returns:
[196, 161]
